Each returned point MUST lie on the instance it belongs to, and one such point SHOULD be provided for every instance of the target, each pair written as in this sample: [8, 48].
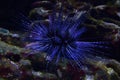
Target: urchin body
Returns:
[62, 39]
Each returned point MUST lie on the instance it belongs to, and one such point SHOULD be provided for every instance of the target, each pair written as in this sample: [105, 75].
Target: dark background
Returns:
[10, 8]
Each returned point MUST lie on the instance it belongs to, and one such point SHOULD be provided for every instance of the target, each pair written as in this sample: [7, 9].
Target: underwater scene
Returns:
[59, 39]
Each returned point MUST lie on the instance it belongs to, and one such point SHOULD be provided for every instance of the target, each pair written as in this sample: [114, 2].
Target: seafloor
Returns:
[20, 63]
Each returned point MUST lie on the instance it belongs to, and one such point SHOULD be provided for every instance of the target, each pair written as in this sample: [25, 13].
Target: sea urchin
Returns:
[62, 38]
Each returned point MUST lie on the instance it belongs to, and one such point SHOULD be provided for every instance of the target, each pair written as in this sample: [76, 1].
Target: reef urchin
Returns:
[62, 39]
